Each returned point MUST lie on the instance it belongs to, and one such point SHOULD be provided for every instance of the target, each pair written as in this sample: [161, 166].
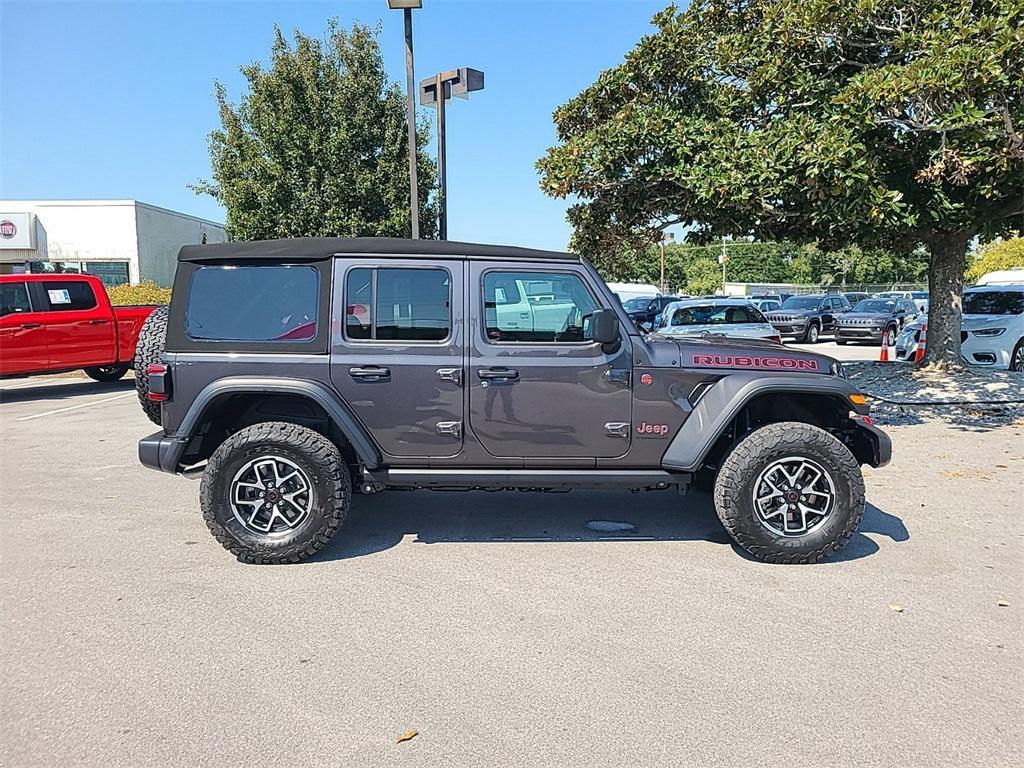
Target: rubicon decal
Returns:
[652, 430]
[745, 361]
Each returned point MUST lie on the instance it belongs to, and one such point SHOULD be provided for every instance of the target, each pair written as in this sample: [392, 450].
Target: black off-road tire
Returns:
[107, 372]
[150, 349]
[317, 456]
[734, 489]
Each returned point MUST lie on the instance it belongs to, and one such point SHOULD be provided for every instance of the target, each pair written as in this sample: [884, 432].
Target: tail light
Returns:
[159, 382]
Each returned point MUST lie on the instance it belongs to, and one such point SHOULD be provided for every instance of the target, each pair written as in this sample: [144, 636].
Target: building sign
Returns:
[17, 231]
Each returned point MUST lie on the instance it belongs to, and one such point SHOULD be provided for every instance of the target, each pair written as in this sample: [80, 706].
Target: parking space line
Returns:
[42, 383]
[75, 407]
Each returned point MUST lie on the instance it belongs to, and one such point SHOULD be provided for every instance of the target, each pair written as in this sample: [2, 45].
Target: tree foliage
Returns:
[318, 146]
[864, 122]
[1003, 254]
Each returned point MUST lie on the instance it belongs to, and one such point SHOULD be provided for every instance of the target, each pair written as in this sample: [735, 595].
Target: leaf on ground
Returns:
[1003, 603]
[407, 736]
[895, 607]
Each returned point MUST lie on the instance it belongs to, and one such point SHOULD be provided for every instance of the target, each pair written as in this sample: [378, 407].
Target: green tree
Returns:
[869, 122]
[318, 146]
[703, 276]
[1004, 254]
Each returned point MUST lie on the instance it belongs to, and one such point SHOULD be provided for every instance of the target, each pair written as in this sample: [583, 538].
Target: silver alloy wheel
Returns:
[812, 333]
[271, 495]
[1017, 364]
[890, 337]
[793, 496]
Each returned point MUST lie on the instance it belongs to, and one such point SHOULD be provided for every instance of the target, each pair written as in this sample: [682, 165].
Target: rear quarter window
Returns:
[253, 303]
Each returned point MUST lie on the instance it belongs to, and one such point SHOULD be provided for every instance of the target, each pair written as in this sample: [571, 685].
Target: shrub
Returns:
[1003, 254]
[145, 293]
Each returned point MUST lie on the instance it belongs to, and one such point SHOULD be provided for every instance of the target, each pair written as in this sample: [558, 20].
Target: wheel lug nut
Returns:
[803, 498]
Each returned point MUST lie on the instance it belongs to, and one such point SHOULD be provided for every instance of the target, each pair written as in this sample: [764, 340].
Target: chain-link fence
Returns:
[757, 289]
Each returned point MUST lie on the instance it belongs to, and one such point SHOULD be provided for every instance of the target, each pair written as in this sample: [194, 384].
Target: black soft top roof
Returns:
[316, 248]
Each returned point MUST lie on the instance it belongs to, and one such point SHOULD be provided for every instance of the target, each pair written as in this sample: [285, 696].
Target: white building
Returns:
[120, 241]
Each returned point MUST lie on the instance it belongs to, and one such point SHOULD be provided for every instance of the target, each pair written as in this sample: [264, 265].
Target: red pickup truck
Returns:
[59, 322]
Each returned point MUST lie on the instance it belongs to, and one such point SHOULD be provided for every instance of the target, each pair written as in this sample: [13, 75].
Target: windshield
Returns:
[919, 294]
[636, 304]
[875, 305]
[994, 303]
[801, 302]
[715, 314]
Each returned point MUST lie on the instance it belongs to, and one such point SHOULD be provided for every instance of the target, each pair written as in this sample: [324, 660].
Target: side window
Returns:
[279, 303]
[14, 298]
[557, 309]
[395, 304]
[68, 295]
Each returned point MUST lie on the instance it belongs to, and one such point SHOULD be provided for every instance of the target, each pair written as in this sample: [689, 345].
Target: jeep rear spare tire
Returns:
[790, 493]
[275, 492]
[150, 349]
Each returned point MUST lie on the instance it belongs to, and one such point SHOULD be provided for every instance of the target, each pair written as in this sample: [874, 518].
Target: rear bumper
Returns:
[161, 452]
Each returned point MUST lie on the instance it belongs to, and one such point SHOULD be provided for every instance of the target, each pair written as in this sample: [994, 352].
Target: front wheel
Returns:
[107, 372]
[890, 337]
[811, 337]
[790, 493]
[1017, 360]
[275, 493]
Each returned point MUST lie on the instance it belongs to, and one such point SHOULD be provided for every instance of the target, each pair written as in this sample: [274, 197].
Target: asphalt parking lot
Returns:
[498, 626]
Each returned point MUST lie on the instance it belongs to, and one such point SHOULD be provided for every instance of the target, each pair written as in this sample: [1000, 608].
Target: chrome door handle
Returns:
[98, 322]
[370, 374]
[454, 375]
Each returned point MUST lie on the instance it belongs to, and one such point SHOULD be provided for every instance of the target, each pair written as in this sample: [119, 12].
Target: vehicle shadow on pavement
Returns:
[50, 392]
[380, 522]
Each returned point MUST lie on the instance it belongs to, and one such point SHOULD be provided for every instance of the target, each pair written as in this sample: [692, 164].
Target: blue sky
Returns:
[114, 100]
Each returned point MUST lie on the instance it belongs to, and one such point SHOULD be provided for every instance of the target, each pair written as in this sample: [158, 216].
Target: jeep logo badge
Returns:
[7, 229]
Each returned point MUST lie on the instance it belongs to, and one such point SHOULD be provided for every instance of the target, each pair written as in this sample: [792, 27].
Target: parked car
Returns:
[873, 320]
[728, 317]
[992, 328]
[627, 291]
[645, 311]
[808, 318]
[766, 303]
[51, 323]
[856, 296]
[431, 390]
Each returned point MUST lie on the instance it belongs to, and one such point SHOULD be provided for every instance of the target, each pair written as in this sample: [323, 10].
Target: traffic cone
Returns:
[884, 356]
[921, 343]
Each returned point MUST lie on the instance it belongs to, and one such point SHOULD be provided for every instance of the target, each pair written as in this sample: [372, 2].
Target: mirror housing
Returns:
[604, 326]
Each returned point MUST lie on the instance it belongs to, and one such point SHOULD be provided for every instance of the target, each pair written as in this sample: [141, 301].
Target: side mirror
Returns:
[604, 326]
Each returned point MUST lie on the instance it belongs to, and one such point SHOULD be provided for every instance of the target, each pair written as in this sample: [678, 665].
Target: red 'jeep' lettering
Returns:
[743, 361]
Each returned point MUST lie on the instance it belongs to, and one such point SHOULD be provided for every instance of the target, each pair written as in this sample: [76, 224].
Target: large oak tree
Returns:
[892, 124]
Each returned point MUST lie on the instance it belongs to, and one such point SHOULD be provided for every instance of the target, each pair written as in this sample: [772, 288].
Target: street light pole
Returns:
[410, 111]
[434, 92]
[671, 238]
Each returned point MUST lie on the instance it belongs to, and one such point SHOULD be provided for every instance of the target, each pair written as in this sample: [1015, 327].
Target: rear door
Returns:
[397, 351]
[79, 326]
[22, 331]
[549, 393]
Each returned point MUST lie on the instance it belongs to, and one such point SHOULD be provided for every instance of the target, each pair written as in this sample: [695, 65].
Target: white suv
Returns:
[992, 330]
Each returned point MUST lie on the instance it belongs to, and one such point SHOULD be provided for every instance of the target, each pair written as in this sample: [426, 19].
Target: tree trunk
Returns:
[945, 287]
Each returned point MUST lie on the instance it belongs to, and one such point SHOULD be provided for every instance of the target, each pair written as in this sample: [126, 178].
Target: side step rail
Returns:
[624, 479]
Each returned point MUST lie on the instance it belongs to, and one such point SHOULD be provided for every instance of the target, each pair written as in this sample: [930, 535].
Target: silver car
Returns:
[724, 316]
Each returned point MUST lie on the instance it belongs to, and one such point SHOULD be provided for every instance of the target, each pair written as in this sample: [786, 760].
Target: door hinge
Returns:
[617, 428]
[453, 375]
[450, 428]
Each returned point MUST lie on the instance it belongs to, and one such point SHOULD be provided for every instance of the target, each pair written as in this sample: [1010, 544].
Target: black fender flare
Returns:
[333, 405]
[721, 403]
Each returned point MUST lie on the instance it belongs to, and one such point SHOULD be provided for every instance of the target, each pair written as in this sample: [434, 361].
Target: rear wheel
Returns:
[150, 349]
[275, 493]
[790, 493]
[107, 372]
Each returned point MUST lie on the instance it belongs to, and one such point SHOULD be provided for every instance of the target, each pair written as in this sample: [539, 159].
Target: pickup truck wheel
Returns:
[149, 349]
[107, 372]
[275, 493]
[790, 493]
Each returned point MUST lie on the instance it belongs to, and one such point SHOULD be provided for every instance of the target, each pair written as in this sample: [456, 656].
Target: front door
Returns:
[397, 351]
[538, 386]
[22, 331]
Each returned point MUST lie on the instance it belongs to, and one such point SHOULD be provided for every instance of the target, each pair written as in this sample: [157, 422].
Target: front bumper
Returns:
[161, 452]
[872, 446]
[859, 333]
[794, 329]
[986, 351]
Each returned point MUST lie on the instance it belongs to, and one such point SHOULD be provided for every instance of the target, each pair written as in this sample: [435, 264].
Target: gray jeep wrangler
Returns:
[290, 372]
